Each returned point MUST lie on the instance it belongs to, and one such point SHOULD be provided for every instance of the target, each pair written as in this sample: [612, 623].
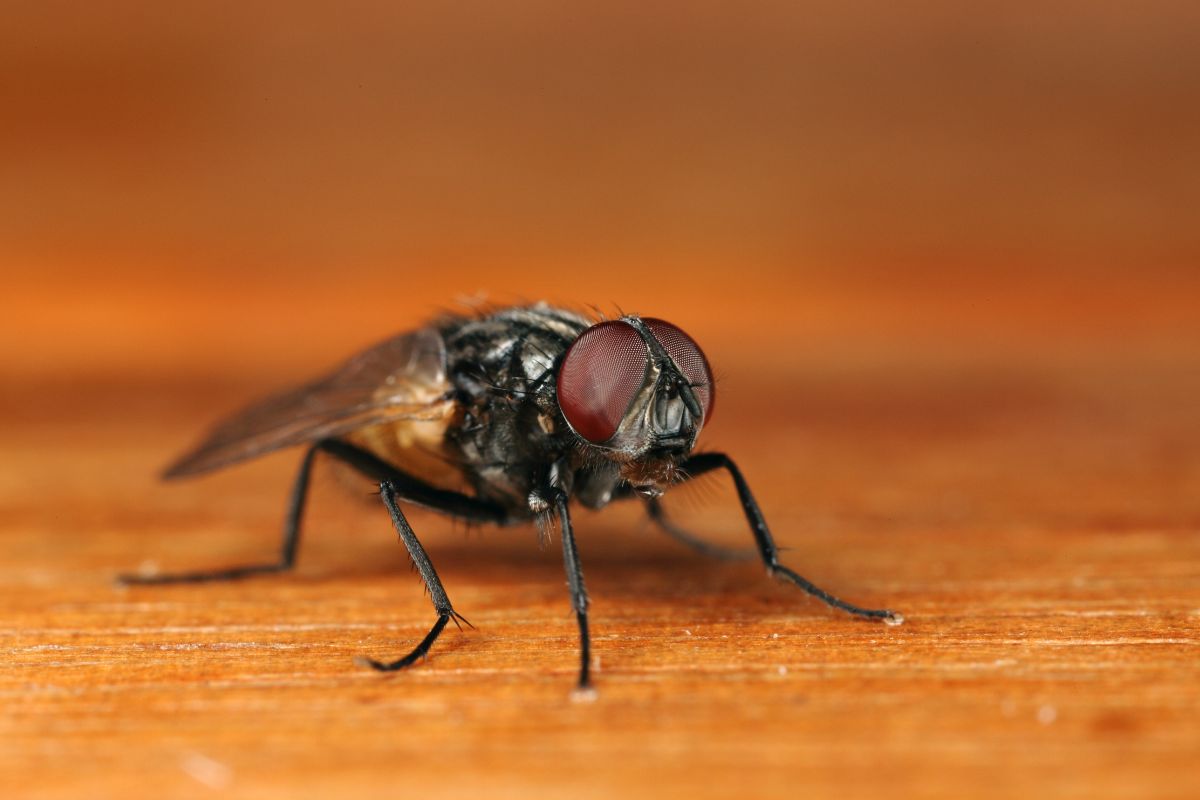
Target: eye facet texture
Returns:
[599, 378]
[690, 359]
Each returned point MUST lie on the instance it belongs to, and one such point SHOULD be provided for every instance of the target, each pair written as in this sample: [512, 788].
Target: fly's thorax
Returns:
[502, 367]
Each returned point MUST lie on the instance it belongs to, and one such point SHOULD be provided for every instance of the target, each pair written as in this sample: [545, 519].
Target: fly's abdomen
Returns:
[418, 447]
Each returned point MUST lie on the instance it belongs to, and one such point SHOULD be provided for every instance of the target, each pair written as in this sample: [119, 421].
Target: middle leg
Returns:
[437, 593]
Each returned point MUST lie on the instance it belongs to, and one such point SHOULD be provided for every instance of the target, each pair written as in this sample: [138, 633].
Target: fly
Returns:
[500, 418]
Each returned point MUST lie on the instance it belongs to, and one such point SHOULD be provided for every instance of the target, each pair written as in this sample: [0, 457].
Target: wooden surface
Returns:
[1039, 526]
[942, 256]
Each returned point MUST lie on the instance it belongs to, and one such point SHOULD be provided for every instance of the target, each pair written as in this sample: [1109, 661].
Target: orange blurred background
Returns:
[789, 181]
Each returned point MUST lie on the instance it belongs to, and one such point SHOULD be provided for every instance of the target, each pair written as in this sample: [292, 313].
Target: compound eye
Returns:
[600, 376]
[690, 359]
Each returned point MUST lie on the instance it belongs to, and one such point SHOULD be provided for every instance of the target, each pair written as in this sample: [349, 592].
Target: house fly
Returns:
[501, 417]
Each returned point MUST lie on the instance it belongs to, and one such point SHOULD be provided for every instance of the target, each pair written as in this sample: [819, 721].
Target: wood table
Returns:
[1036, 519]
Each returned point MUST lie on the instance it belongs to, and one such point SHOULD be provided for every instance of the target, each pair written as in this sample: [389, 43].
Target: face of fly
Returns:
[638, 391]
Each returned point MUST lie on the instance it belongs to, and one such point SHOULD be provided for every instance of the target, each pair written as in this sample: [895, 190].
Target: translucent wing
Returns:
[401, 378]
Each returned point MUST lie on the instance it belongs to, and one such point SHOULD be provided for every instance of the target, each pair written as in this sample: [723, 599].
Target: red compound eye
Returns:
[600, 375]
[690, 359]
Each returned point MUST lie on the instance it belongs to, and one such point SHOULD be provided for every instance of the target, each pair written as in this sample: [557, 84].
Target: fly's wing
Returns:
[401, 378]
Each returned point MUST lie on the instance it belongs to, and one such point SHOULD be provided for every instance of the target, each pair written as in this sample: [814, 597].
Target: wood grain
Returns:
[942, 256]
[1039, 526]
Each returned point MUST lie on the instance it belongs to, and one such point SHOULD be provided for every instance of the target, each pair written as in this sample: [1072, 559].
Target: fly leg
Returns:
[394, 485]
[437, 593]
[579, 597]
[656, 512]
[287, 554]
[451, 503]
[658, 515]
[706, 462]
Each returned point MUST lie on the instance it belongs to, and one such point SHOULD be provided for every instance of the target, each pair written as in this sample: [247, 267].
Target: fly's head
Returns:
[636, 391]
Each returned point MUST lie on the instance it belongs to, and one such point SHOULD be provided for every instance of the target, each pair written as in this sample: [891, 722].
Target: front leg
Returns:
[706, 462]
[658, 515]
[579, 598]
